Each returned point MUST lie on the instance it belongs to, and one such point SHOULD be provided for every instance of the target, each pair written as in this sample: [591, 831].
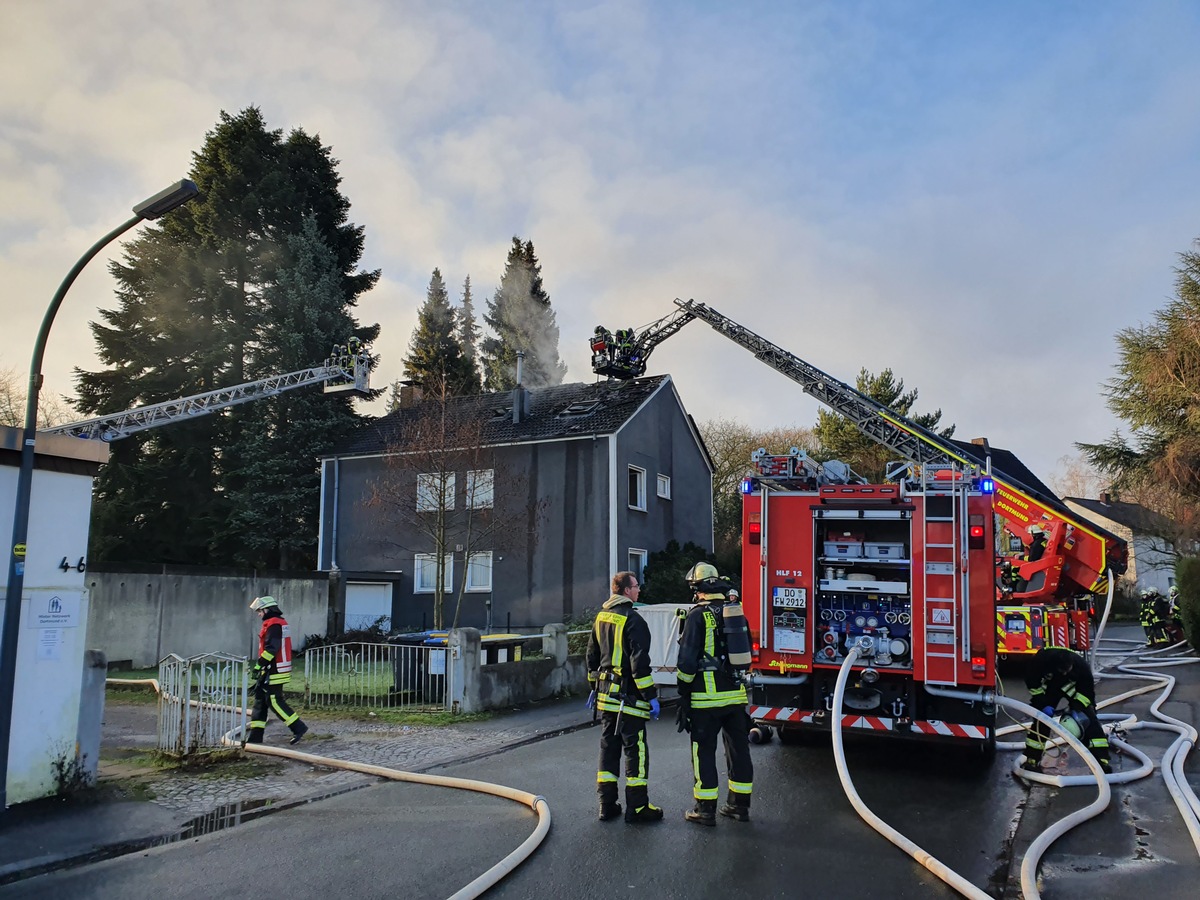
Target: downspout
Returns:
[333, 529]
[612, 504]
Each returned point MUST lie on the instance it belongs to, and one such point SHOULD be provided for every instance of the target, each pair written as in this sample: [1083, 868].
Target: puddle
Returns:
[226, 816]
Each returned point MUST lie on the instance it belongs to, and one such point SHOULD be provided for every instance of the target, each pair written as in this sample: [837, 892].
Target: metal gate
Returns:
[200, 700]
[377, 676]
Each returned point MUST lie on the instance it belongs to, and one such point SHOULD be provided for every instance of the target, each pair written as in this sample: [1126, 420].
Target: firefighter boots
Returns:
[737, 806]
[638, 808]
[299, 730]
[704, 813]
[609, 807]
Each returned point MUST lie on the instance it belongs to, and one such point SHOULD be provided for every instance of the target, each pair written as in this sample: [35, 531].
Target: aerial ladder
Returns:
[347, 370]
[1079, 558]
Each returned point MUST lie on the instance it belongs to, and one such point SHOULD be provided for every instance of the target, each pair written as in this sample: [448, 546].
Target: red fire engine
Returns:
[903, 572]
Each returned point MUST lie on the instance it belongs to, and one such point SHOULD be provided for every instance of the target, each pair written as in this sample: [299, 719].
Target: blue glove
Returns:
[591, 700]
[654, 708]
[1048, 711]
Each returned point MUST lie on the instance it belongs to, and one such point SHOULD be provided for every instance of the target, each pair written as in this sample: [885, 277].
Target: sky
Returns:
[978, 196]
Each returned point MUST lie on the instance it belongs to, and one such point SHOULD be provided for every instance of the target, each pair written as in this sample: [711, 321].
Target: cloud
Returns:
[976, 197]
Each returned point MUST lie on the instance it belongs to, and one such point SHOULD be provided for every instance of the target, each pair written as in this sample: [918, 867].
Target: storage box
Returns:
[844, 549]
[883, 550]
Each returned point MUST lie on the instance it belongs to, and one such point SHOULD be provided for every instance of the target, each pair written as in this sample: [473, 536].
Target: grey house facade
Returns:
[566, 484]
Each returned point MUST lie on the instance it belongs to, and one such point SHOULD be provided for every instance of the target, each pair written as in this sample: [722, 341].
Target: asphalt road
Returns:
[805, 839]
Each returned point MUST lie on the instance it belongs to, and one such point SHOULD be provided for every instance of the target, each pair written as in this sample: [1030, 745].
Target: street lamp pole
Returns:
[160, 204]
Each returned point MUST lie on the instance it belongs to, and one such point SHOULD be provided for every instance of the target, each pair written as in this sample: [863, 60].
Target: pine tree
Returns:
[840, 439]
[434, 352]
[468, 336]
[196, 295]
[521, 317]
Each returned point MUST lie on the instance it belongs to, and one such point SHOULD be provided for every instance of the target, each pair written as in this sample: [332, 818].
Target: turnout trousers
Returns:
[733, 724]
[269, 697]
[623, 734]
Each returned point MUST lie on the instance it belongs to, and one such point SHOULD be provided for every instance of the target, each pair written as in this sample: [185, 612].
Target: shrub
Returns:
[1187, 577]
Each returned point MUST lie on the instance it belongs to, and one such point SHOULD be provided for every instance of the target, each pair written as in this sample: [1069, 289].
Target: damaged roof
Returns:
[558, 412]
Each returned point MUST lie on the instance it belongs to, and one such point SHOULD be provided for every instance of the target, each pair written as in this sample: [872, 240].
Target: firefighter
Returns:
[272, 672]
[623, 690]
[1146, 614]
[1054, 674]
[1037, 543]
[715, 701]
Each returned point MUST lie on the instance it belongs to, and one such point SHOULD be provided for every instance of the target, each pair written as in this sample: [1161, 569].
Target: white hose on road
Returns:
[938, 868]
[481, 884]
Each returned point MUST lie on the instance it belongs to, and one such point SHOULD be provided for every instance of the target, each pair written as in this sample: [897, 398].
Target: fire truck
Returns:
[1046, 601]
[902, 572]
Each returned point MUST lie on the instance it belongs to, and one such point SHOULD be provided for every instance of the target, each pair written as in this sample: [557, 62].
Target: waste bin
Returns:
[410, 666]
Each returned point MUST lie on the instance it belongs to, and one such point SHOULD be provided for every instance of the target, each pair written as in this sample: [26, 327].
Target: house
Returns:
[538, 496]
[1152, 555]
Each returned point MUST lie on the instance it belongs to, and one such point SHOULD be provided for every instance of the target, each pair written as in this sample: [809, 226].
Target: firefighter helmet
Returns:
[1070, 725]
[261, 603]
[703, 577]
[1149, 592]
[1173, 592]
[1036, 529]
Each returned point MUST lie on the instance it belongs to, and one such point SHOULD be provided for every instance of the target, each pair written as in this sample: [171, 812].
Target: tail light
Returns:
[755, 649]
[978, 661]
[754, 528]
[975, 533]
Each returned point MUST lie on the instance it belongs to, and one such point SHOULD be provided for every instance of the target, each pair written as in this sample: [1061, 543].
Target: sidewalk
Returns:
[134, 808]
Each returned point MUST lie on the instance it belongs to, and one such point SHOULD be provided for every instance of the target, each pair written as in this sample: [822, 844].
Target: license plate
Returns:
[793, 598]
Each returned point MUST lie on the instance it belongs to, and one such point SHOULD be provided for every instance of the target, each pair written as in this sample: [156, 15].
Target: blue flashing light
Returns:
[747, 485]
[987, 485]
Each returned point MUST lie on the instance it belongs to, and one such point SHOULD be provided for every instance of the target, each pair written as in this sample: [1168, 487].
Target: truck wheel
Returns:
[791, 737]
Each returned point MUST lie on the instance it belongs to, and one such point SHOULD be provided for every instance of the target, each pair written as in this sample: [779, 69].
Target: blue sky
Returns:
[977, 195]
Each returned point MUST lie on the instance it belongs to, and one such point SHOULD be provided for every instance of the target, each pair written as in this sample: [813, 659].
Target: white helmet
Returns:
[1070, 725]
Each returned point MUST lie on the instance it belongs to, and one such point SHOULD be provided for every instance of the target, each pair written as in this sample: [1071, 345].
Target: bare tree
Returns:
[1076, 477]
[52, 410]
[448, 492]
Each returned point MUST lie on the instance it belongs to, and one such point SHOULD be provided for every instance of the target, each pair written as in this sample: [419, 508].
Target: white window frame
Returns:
[428, 491]
[637, 475]
[425, 566]
[481, 488]
[664, 486]
[479, 564]
[637, 568]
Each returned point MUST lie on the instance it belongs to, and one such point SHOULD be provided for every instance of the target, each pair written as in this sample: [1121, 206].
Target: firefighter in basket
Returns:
[714, 653]
[623, 690]
[1057, 674]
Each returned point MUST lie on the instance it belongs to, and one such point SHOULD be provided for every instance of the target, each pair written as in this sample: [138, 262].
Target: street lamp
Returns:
[151, 208]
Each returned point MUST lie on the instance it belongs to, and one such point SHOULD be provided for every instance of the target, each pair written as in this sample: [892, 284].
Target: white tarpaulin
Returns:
[664, 638]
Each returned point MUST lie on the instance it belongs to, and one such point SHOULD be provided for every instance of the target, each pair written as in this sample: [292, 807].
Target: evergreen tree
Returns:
[196, 295]
[521, 318]
[468, 336]
[434, 353]
[840, 439]
[274, 507]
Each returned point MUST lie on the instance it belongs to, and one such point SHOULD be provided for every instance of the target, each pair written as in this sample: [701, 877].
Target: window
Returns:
[637, 562]
[481, 488]
[637, 488]
[582, 408]
[425, 573]
[664, 486]
[435, 490]
[479, 572]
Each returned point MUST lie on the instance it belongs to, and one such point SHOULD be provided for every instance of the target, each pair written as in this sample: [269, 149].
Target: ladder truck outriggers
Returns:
[347, 370]
[923, 604]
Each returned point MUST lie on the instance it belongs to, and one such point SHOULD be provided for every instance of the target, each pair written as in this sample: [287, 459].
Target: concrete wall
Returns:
[143, 617]
[500, 685]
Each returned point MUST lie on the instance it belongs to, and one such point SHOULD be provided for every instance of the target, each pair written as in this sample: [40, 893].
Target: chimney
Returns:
[520, 395]
[979, 442]
[410, 395]
[1104, 497]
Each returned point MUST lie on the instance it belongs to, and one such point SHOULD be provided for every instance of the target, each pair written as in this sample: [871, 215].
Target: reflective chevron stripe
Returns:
[870, 723]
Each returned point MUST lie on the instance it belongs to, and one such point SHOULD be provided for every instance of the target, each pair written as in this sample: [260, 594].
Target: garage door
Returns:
[366, 603]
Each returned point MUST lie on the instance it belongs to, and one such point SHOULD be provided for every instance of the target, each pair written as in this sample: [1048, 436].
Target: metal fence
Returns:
[200, 700]
[377, 676]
